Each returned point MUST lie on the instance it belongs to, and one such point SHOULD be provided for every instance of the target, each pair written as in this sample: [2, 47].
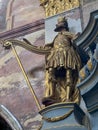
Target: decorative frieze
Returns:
[53, 7]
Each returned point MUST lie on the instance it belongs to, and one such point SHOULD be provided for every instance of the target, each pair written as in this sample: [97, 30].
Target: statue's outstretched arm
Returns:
[27, 45]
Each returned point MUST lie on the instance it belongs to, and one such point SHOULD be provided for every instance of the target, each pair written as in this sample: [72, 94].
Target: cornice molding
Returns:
[23, 30]
[90, 33]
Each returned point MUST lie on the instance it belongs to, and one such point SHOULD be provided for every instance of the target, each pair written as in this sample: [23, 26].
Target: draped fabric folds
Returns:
[63, 54]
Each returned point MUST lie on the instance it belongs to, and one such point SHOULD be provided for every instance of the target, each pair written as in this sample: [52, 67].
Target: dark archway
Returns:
[4, 125]
[7, 120]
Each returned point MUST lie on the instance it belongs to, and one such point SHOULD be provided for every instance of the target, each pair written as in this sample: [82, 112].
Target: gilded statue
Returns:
[62, 64]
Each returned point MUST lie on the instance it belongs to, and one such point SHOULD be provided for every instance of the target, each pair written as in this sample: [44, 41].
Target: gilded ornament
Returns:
[90, 64]
[53, 7]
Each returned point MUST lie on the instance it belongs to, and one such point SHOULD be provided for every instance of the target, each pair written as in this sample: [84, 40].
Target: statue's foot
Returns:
[48, 101]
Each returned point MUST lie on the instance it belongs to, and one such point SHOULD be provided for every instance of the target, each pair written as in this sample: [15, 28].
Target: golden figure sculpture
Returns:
[62, 66]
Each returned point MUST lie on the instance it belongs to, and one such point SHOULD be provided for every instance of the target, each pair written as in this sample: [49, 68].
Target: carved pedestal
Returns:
[64, 116]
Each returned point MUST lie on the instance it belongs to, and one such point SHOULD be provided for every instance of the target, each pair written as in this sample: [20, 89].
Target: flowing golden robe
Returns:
[63, 54]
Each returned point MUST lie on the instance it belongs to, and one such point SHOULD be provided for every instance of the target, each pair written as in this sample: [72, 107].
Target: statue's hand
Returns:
[6, 44]
[76, 36]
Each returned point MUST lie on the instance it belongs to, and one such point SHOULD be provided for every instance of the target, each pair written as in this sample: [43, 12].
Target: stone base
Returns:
[63, 116]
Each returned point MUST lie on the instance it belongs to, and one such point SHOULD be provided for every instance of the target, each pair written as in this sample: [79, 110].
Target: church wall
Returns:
[15, 13]
[24, 12]
[14, 93]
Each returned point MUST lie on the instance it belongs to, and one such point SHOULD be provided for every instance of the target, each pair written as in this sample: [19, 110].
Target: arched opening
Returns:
[4, 125]
[7, 120]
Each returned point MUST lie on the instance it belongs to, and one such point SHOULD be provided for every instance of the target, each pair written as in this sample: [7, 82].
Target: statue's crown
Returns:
[62, 19]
